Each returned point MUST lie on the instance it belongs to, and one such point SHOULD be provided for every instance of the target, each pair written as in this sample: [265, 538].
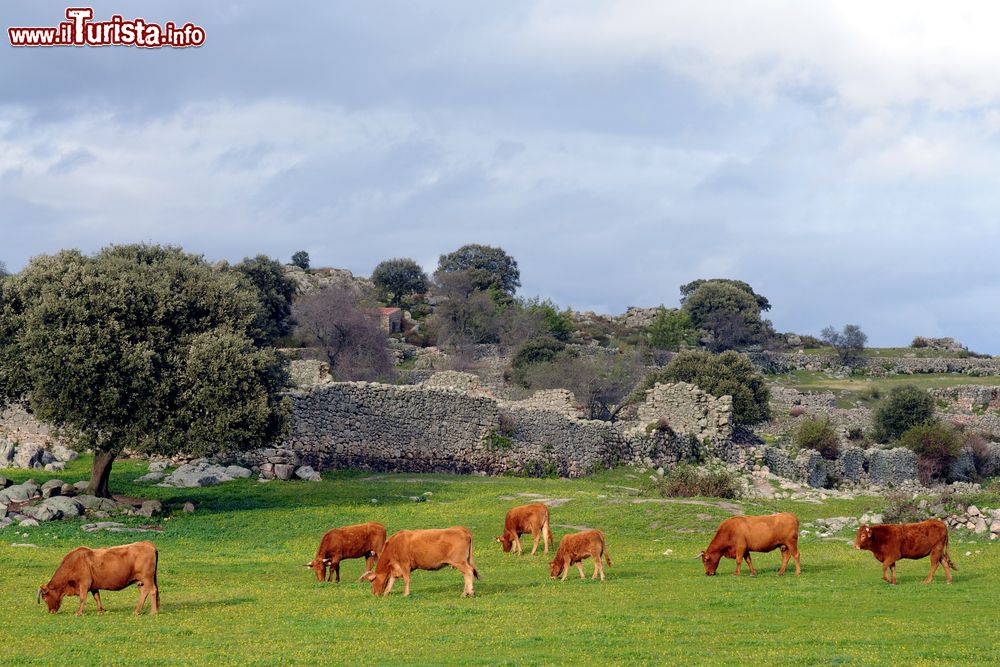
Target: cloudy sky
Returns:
[841, 157]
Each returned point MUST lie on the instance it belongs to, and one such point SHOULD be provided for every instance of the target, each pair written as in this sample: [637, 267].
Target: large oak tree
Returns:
[140, 347]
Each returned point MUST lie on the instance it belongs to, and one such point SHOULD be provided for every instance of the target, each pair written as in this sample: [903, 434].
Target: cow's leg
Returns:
[739, 561]
[97, 598]
[944, 564]
[388, 587]
[534, 547]
[517, 542]
[885, 571]
[467, 573]
[753, 572]
[154, 597]
[336, 568]
[565, 570]
[795, 554]
[935, 560]
[579, 567]
[786, 553]
[143, 594]
[406, 584]
[892, 568]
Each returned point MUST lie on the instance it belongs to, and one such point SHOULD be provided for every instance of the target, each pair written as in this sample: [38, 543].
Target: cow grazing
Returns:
[891, 542]
[85, 571]
[532, 519]
[739, 535]
[574, 548]
[410, 550]
[364, 540]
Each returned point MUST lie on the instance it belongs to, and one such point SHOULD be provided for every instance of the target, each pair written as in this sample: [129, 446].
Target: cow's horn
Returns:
[38, 600]
[700, 555]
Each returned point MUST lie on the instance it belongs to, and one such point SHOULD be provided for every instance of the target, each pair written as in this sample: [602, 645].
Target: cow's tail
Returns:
[156, 570]
[604, 548]
[947, 554]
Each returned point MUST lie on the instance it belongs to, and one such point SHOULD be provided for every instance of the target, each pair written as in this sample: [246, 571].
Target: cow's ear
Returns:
[309, 564]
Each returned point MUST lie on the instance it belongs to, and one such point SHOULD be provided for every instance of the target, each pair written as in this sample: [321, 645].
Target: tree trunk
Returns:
[100, 472]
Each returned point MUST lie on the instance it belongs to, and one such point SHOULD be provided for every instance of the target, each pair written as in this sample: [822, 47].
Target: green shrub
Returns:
[495, 441]
[906, 406]
[818, 434]
[685, 481]
[936, 446]
[672, 329]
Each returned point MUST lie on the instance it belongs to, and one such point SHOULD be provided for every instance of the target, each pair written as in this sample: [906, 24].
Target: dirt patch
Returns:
[571, 527]
[551, 502]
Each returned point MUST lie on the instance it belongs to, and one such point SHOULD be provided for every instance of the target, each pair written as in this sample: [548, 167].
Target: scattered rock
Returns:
[283, 471]
[55, 466]
[189, 507]
[150, 477]
[4, 522]
[21, 544]
[4, 483]
[67, 490]
[53, 487]
[82, 485]
[158, 466]
[308, 474]
[151, 508]
[28, 523]
[238, 472]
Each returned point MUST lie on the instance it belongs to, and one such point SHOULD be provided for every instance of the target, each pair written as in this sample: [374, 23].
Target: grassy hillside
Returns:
[234, 590]
[869, 389]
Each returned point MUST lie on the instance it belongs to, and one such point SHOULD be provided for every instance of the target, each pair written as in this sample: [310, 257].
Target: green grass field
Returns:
[868, 389]
[234, 591]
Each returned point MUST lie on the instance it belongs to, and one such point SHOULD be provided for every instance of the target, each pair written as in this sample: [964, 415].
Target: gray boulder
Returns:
[42, 512]
[67, 490]
[6, 453]
[20, 492]
[55, 466]
[188, 507]
[158, 466]
[93, 503]
[68, 507]
[155, 476]
[308, 474]
[53, 487]
[197, 473]
[150, 508]
[63, 454]
[31, 455]
[4, 482]
[238, 472]
[4, 522]
[28, 523]
[283, 471]
[82, 485]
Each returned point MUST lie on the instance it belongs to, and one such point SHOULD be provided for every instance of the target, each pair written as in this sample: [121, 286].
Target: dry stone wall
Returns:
[452, 424]
[783, 362]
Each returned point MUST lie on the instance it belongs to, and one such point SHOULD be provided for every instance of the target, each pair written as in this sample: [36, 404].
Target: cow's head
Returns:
[53, 598]
[865, 538]
[711, 561]
[319, 566]
[555, 567]
[379, 579]
[505, 542]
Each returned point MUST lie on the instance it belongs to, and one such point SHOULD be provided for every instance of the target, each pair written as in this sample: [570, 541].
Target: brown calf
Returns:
[891, 542]
[574, 548]
[364, 540]
[532, 519]
[739, 535]
[86, 570]
[410, 550]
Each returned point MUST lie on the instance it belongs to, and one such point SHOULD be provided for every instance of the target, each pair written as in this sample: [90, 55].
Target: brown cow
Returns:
[739, 535]
[891, 542]
[532, 519]
[363, 540]
[86, 570]
[410, 550]
[574, 548]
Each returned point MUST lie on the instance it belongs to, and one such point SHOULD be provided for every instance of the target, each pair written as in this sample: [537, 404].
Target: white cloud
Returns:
[866, 55]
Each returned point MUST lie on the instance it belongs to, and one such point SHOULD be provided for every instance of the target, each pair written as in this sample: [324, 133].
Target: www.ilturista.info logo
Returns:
[80, 30]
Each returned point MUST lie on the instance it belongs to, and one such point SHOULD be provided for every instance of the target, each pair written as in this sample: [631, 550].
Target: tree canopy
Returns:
[849, 343]
[397, 279]
[762, 303]
[140, 347]
[489, 269]
[275, 292]
[728, 312]
[301, 259]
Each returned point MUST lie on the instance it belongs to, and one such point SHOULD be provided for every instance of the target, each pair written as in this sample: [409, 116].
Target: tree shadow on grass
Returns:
[208, 604]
